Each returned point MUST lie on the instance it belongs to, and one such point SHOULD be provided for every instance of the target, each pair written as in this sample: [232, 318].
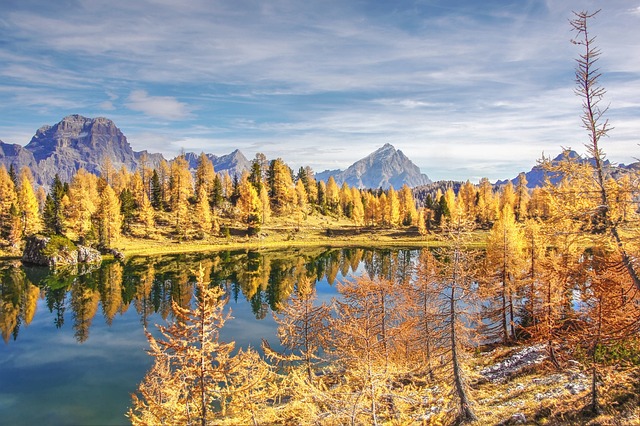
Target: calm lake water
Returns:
[74, 343]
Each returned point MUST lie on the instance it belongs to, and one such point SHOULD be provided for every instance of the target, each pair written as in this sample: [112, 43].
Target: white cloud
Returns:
[164, 107]
[107, 106]
[325, 83]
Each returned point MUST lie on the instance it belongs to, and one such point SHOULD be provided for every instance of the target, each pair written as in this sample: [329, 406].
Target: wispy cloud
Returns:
[455, 86]
[165, 107]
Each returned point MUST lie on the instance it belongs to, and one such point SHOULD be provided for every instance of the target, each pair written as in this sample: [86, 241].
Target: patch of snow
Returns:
[528, 356]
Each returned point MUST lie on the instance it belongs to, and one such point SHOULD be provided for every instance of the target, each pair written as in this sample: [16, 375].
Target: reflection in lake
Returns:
[74, 340]
[264, 279]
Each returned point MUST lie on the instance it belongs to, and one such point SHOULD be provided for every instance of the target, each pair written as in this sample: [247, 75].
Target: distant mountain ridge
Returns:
[234, 163]
[536, 176]
[383, 168]
[80, 142]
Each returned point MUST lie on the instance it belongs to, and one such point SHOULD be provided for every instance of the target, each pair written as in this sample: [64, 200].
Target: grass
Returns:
[316, 230]
[281, 232]
[542, 395]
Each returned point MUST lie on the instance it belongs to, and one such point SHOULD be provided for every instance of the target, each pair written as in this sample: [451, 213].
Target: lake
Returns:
[74, 343]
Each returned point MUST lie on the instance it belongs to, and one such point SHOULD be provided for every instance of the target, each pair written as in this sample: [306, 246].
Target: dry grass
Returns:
[545, 396]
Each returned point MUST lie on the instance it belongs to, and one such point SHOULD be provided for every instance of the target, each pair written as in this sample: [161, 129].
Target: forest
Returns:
[558, 268]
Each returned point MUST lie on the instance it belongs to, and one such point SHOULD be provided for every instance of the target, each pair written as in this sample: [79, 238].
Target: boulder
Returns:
[88, 255]
[57, 251]
[34, 250]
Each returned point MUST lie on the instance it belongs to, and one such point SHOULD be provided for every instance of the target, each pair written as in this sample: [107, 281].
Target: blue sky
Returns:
[466, 89]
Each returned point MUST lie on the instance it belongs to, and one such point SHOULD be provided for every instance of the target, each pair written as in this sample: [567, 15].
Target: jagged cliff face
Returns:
[234, 163]
[383, 168]
[78, 142]
[16, 155]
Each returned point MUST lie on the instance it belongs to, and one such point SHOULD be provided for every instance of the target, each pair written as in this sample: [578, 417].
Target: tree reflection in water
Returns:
[266, 279]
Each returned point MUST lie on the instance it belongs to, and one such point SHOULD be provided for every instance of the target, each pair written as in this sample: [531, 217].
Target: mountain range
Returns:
[536, 176]
[79, 142]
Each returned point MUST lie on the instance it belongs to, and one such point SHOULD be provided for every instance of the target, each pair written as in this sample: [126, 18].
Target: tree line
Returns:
[99, 209]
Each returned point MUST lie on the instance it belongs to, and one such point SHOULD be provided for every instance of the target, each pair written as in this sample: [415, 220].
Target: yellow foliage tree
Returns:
[31, 221]
[108, 218]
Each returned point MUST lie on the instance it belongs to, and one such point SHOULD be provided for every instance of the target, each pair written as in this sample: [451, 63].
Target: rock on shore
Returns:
[40, 250]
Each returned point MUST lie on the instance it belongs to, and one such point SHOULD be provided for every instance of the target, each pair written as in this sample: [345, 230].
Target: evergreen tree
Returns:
[156, 191]
[204, 175]
[281, 188]
[127, 209]
[53, 208]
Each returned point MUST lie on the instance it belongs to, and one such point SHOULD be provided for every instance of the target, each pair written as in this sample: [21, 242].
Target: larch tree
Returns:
[487, 205]
[181, 191]
[346, 200]
[457, 271]
[146, 214]
[424, 296]
[107, 170]
[587, 77]
[311, 185]
[358, 208]
[467, 200]
[136, 187]
[249, 204]
[423, 230]
[193, 361]
[451, 209]
[302, 329]
[364, 330]
[332, 196]
[121, 180]
[611, 309]
[504, 271]
[83, 194]
[408, 211]
[108, 217]
[202, 214]
[393, 205]
[522, 198]
[507, 196]
[302, 206]
[383, 209]
[281, 188]
[31, 222]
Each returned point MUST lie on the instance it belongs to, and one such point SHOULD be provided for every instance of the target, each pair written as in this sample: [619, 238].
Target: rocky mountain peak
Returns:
[383, 168]
[78, 141]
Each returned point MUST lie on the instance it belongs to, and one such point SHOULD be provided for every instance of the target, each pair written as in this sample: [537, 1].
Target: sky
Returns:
[465, 88]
